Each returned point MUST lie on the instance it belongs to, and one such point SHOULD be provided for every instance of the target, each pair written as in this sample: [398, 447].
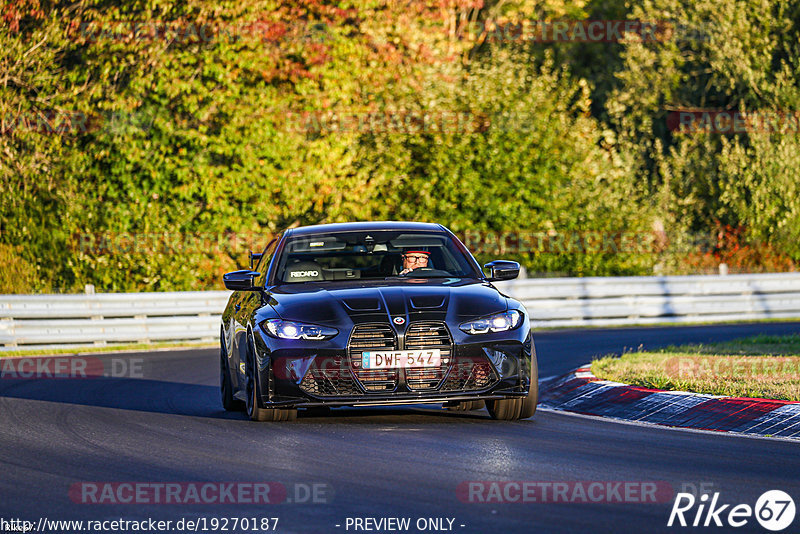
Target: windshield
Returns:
[372, 255]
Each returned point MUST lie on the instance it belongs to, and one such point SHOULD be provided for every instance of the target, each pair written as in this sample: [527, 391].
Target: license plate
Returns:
[394, 359]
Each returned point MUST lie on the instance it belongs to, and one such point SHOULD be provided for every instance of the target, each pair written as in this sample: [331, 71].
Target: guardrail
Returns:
[556, 302]
[110, 318]
[47, 320]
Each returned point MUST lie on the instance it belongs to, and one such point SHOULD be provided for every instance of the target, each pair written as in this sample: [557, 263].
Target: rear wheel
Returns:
[253, 406]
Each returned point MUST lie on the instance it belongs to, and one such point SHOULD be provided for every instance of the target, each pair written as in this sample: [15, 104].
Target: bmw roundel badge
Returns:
[399, 320]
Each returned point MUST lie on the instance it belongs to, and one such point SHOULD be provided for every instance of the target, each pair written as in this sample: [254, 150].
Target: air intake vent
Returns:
[369, 337]
[328, 377]
[428, 335]
[470, 374]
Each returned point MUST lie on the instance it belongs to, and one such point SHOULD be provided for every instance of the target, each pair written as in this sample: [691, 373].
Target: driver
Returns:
[414, 259]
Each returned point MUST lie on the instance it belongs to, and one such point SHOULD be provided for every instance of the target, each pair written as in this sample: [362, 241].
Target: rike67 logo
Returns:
[774, 510]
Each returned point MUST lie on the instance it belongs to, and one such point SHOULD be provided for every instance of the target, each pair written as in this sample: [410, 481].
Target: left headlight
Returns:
[294, 330]
[494, 323]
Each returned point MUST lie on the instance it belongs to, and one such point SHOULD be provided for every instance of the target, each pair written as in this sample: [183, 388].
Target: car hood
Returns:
[333, 302]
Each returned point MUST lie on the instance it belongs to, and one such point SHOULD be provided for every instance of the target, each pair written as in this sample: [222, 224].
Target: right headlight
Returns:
[499, 322]
[294, 330]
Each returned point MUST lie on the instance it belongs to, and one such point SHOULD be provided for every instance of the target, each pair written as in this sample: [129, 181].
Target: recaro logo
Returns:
[303, 274]
[774, 510]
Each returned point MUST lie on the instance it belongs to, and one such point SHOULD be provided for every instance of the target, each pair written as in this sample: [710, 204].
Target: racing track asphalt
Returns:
[380, 462]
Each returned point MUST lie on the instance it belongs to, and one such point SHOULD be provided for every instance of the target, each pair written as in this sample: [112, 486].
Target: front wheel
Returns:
[505, 409]
[519, 408]
[229, 402]
[529, 403]
[253, 406]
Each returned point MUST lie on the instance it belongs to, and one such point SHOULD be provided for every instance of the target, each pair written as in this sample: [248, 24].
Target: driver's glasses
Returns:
[415, 258]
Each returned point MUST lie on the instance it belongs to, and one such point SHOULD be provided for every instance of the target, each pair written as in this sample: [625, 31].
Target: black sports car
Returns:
[381, 313]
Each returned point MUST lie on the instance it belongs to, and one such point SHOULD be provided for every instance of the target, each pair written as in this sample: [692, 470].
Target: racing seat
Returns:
[303, 271]
[390, 265]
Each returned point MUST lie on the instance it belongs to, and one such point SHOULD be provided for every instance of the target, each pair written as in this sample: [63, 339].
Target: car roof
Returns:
[366, 227]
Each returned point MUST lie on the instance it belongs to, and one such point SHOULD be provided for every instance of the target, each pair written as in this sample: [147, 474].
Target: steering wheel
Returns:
[422, 271]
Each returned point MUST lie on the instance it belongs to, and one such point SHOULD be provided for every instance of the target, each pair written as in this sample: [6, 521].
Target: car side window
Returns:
[266, 257]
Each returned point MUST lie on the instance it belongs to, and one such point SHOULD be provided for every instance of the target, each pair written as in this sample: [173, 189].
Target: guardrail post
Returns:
[102, 342]
[7, 326]
[146, 339]
[206, 339]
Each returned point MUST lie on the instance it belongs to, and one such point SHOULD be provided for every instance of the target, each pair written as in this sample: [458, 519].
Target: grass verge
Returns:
[758, 367]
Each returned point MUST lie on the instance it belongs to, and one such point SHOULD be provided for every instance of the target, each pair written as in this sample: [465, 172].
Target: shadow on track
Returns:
[197, 400]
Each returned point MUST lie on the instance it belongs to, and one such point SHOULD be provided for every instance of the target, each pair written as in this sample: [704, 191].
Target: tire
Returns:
[529, 403]
[229, 402]
[504, 409]
[467, 406]
[253, 406]
[521, 407]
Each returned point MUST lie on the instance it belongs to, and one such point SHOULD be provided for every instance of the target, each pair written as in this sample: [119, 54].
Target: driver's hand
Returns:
[405, 271]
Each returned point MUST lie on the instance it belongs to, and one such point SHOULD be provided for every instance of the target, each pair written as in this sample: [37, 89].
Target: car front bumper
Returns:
[307, 375]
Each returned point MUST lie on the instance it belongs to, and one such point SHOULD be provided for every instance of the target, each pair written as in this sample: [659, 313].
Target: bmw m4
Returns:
[378, 313]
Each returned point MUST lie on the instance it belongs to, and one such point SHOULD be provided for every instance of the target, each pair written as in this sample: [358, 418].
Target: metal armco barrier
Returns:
[110, 318]
[641, 300]
[47, 320]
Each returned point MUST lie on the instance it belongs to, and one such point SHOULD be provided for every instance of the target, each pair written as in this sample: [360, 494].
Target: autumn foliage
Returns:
[196, 130]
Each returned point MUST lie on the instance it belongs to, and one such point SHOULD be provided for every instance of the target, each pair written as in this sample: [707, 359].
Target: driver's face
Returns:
[415, 261]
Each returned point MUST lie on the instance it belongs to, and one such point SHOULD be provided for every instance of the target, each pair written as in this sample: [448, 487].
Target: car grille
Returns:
[469, 374]
[367, 337]
[329, 376]
[336, 376]
[428, 335]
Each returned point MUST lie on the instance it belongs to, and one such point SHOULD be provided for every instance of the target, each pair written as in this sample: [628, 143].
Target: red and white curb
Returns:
[581, 392]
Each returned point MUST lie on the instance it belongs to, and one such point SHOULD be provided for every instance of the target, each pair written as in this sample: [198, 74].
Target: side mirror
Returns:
[240, 280]
[254, 257]
[502, 270]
